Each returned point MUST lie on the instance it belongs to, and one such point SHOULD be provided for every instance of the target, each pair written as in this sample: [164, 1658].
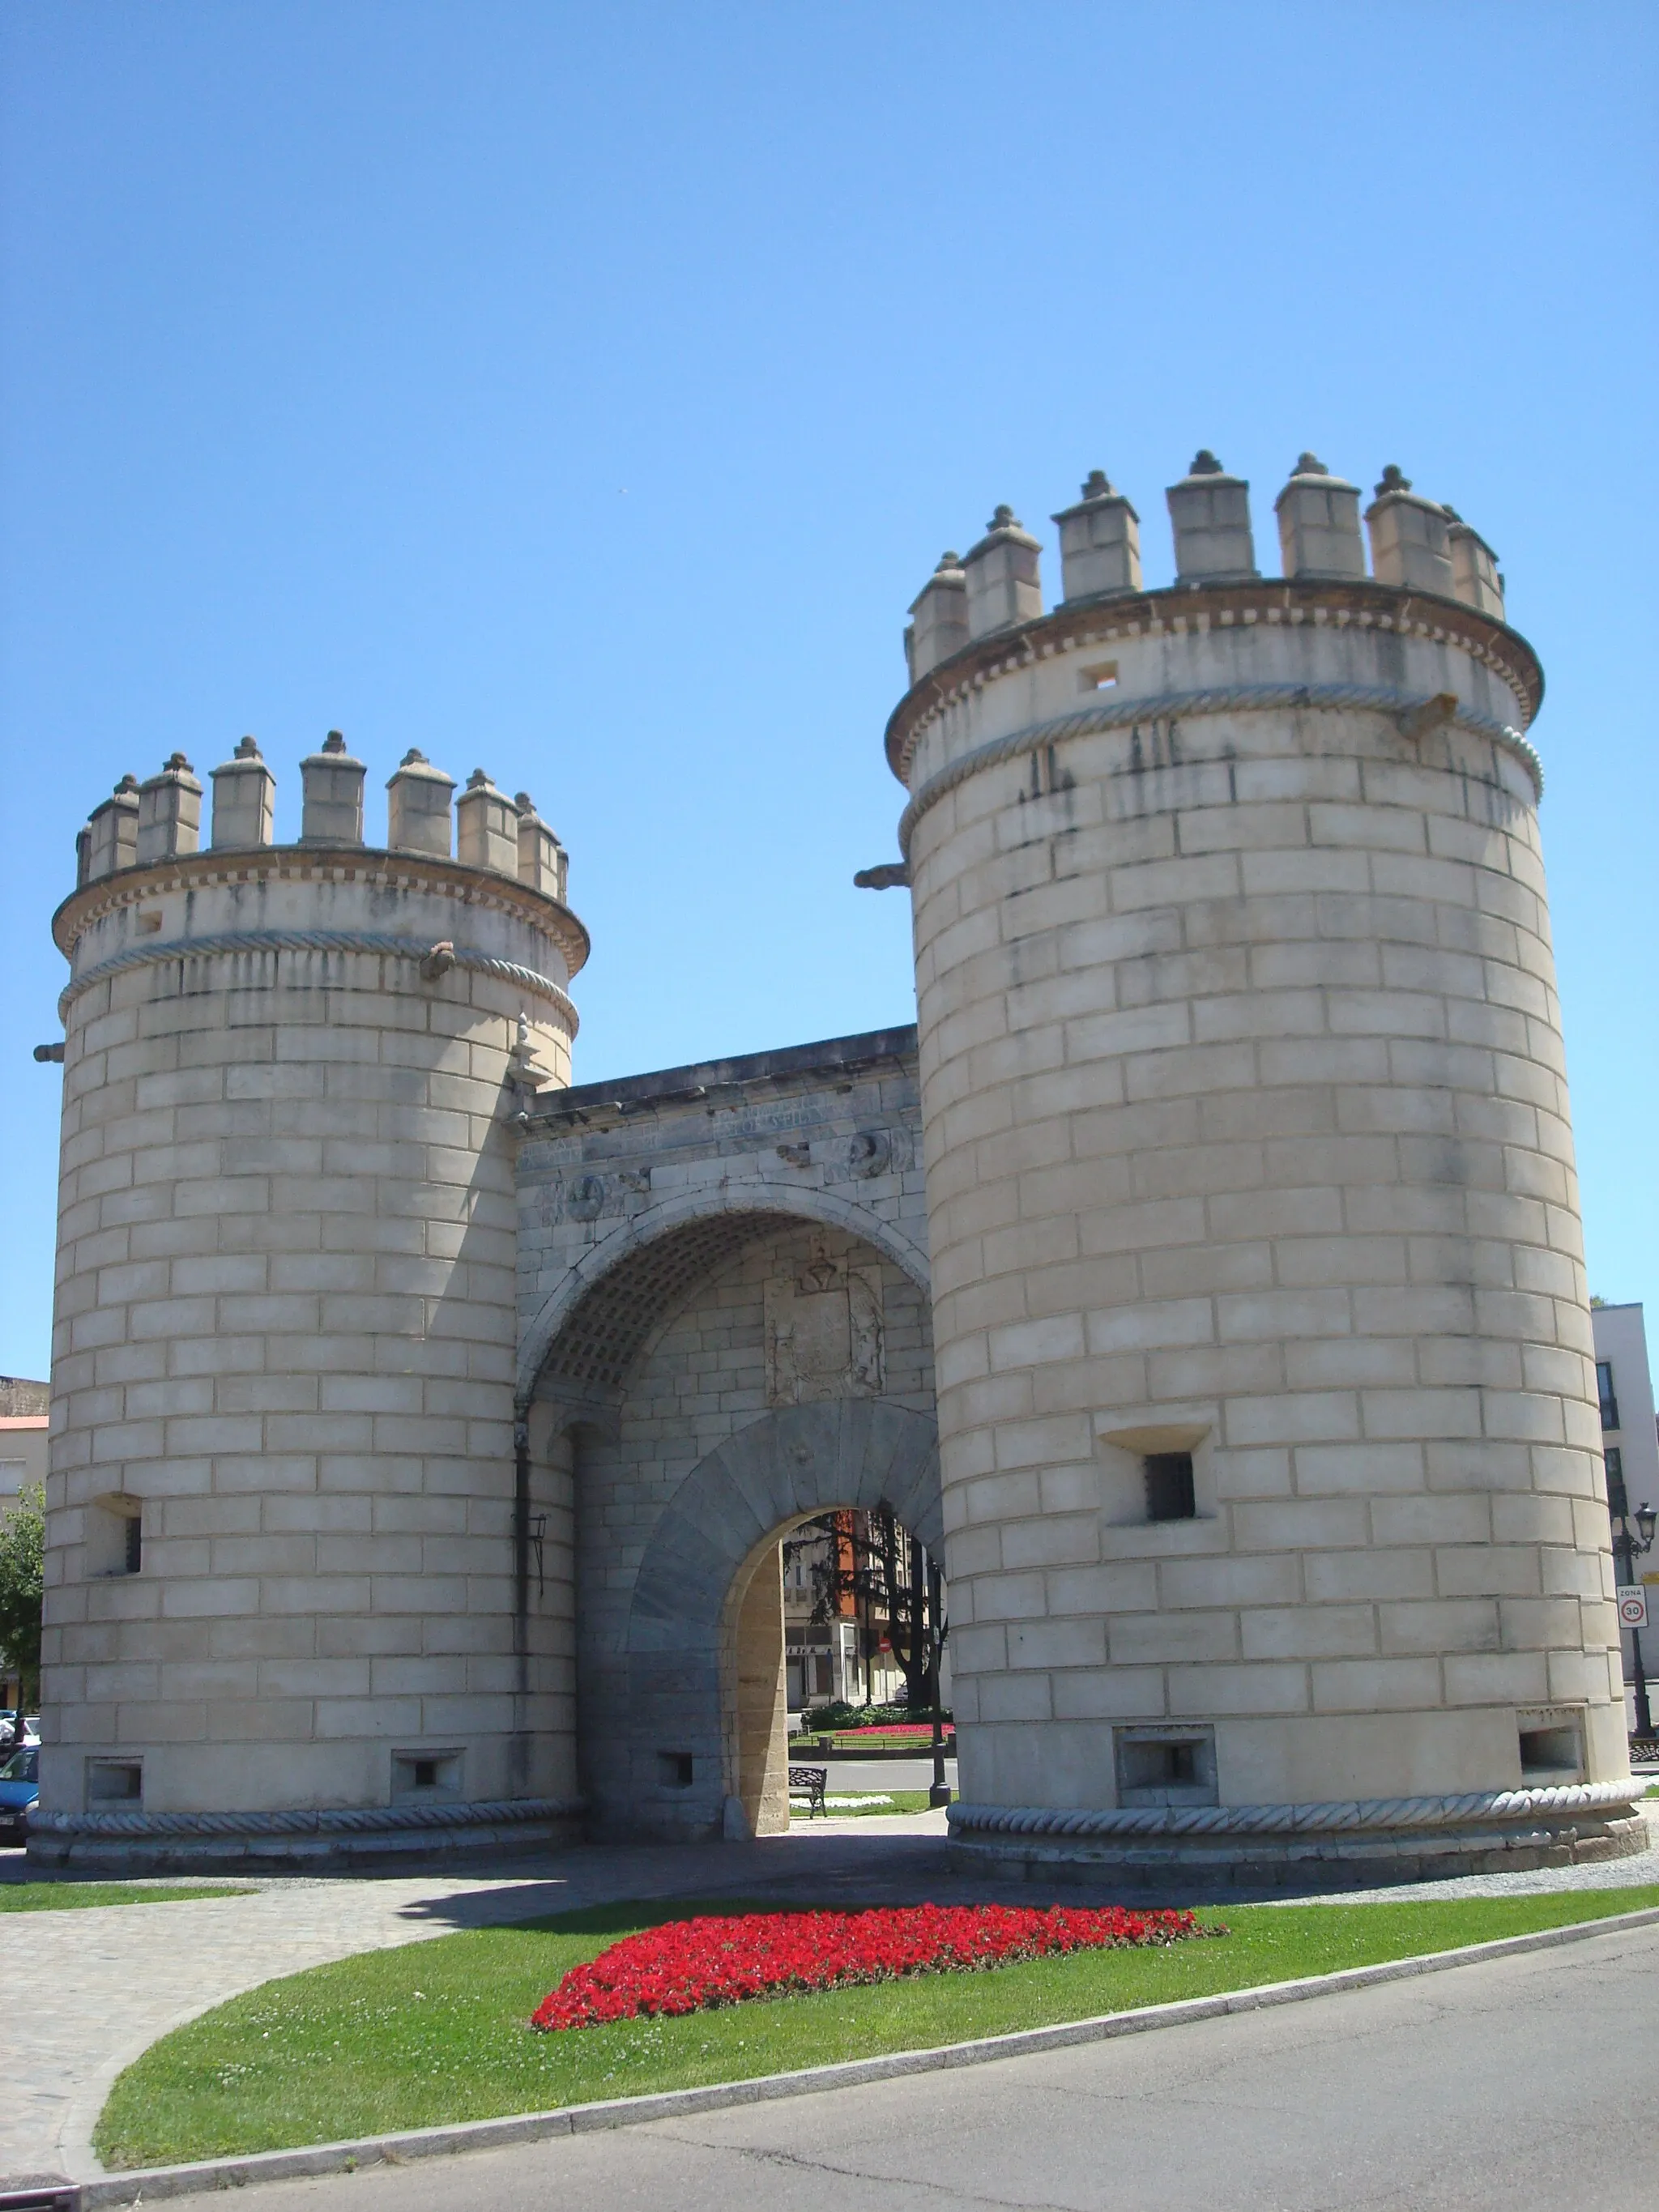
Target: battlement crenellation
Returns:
[159, 820]
[1416, 544]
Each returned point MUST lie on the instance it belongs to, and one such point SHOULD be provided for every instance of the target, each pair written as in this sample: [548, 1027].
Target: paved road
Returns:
[869, 1774]
[1526, 2084]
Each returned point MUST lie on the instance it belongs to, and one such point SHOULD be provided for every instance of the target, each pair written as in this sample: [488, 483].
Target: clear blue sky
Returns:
[583, 392]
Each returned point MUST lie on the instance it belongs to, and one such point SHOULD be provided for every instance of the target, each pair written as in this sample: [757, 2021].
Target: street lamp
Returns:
[939, 1793]
[1626, 1550]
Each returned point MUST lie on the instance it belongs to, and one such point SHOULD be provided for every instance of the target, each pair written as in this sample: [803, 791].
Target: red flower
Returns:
[693, 1965]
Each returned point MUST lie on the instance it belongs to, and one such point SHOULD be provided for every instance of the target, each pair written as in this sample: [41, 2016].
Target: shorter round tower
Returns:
[1275, 1514]
[289, 1606]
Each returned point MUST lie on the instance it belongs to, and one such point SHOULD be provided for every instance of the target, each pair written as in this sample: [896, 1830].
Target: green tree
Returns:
[22, 1558]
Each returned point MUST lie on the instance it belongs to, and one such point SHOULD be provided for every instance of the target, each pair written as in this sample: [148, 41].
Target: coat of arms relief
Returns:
[823, 1333]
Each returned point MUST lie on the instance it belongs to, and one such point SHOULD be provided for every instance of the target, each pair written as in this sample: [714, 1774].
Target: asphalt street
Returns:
[862, 1775]
[1524, 2083]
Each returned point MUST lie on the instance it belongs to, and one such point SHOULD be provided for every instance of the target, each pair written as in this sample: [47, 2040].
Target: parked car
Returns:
[16, 1731]
[20, 1785]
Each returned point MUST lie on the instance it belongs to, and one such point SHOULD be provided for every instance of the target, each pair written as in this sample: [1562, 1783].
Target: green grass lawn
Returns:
[898, 1801]
[66, 1896]
[437, 2030]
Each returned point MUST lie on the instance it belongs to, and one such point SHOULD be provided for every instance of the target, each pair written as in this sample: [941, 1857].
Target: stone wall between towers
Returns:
[665, 1225]
[703, 1381]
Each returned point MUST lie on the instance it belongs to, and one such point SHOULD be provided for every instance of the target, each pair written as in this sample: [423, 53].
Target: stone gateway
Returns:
[1201, 1279]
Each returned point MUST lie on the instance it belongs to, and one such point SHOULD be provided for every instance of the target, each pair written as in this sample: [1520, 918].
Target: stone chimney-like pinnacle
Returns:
[1002, 572]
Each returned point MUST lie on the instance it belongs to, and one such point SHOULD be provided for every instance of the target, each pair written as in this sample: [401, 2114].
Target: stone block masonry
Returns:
[1247, 1141]
[425, 1429]
[667, 1225]
[285, 1340]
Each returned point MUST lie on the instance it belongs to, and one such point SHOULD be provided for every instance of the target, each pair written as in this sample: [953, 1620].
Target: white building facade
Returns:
[1630, 1444]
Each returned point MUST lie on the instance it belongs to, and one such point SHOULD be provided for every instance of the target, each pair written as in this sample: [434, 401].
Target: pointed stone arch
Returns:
[735, 1503]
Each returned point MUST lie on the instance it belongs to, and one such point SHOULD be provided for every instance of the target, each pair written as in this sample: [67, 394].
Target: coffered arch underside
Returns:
[598, 1318]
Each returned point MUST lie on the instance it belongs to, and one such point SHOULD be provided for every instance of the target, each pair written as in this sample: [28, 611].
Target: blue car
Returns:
[20, 1785]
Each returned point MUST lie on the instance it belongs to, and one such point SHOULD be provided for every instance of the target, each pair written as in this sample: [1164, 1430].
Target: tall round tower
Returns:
[289, 1603]
[1275, 1510]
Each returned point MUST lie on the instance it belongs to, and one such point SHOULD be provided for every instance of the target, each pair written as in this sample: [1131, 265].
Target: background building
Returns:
[1630, 1442]
[24, 1410]
[837, 1613]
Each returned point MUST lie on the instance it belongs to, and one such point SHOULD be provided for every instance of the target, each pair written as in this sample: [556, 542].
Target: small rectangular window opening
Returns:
[1103, 676]
[1169, 1486]
[114, 1782]
[1165, 1765]
[418, 1774]
[1157, 1765]
[114, 1535]
[1552, 1751]
[674, 1769]
[1604, 1392]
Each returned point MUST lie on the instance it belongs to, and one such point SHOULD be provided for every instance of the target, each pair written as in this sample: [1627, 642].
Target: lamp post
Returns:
[939, 1793]
[1626, 1550]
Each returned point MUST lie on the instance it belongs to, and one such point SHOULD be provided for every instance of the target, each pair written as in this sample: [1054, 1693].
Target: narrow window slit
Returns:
[1169, 1486]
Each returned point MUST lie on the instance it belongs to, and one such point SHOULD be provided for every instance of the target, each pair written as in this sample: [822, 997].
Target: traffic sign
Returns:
[1632, 1606]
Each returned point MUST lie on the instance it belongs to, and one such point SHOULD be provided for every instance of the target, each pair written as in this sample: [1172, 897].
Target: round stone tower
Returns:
[290, 1525]
[1275, 1510]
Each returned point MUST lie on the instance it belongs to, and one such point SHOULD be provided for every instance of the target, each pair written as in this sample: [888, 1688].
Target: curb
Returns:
[150, 2185]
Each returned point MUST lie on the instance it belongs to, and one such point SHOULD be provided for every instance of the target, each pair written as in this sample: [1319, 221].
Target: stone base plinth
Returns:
[315, 1841]
[1356, 1845]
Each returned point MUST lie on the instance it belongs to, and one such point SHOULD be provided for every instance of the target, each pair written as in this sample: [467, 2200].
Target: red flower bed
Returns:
[922, 1729]
[693, 1966]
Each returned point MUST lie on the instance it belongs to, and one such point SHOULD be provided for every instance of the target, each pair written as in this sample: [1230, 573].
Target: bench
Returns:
[812, 1781]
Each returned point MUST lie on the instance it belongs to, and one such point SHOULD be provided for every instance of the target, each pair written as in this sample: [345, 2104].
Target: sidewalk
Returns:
[82, 1993]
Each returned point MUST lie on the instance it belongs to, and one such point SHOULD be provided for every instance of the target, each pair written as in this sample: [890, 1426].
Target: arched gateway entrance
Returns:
[726, 1330]
[705, 1631]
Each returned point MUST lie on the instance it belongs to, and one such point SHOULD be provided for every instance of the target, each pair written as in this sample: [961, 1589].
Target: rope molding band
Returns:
[317, 940]
[1219, 699]
[1559, 1800]
[337, 1820]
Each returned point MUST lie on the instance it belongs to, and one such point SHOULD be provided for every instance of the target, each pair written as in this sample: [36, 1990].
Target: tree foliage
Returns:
[22, 1564]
